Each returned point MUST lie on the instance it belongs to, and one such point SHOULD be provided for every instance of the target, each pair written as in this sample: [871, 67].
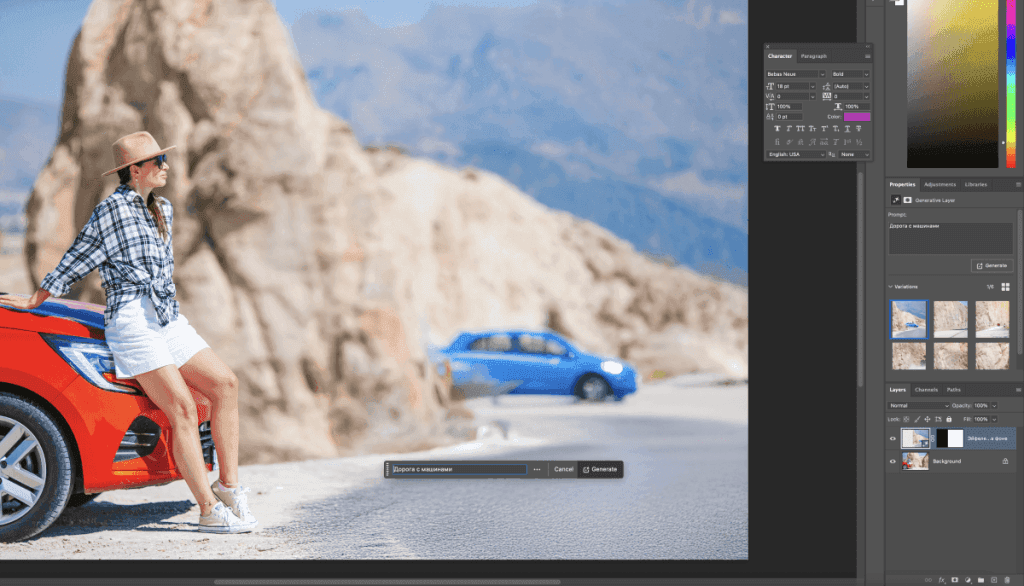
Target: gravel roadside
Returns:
[160, 522]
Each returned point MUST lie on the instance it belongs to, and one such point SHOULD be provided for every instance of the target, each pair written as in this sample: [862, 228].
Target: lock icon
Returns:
[1006, 461]
[949, 419]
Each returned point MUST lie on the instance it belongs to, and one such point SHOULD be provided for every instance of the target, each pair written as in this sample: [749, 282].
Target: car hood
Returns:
[57, 316]
[596, 361]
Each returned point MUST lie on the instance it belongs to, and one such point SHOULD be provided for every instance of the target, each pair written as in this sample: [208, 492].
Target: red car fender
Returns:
[27, 361]
[103, 417]
[96, 418]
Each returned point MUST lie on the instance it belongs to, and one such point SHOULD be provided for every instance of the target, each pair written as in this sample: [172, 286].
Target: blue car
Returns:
[910, 325]
[525, 362]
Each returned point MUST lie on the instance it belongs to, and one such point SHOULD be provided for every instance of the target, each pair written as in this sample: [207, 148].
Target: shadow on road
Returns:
[96, 517]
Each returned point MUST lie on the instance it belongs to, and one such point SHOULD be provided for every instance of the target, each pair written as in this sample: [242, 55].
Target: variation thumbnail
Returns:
[916, 438]
[951, 356]
[915, 460]
[950, 319]
[953, 84]
[992, 356]
[992, 319]
[909, 319]
[908, 356]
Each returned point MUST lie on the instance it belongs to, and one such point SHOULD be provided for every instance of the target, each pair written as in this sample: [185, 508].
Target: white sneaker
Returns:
[222, 520]
[234, 499]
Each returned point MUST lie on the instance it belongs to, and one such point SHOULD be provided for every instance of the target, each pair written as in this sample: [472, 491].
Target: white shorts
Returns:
[140, 344]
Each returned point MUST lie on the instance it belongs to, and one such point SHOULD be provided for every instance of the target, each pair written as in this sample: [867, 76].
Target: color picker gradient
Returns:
[1011, 84]
[953, 83]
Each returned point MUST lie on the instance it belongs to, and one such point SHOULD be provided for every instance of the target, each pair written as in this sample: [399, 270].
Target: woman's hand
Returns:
[32, 302]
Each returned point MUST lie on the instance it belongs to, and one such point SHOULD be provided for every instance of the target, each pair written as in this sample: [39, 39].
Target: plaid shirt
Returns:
[122, 238]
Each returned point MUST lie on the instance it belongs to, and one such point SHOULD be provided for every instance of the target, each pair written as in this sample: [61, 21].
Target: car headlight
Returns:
[93, 360]
[611, 367]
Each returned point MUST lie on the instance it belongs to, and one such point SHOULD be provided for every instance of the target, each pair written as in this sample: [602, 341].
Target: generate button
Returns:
[600, 469]
[980, 265]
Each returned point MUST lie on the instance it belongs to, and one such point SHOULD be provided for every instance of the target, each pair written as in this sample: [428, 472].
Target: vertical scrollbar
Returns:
[860, 275]
[1020, 286]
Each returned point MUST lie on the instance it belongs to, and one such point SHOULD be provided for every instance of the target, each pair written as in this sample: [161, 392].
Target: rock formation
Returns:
[991, 314]
[916, 460]
[992, 356]
[917, 440]
[951, 356]
[319, 270]
[487, 255]
[901, 318]
[950, 315]
[908, 356]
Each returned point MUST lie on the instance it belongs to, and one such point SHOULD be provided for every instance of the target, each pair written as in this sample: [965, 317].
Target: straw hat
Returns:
[133, 148]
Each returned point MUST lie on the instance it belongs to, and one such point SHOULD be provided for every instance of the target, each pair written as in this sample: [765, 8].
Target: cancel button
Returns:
[563, 470]
[600, 469]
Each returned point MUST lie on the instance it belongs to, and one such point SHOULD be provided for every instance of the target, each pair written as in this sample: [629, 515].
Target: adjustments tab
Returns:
[817, 101]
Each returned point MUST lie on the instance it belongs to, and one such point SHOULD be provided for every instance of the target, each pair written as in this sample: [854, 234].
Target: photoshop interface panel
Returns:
[933, 130]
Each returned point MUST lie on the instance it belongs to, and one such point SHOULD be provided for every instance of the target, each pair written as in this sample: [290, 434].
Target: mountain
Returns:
[27, 133]
[629, 114]
[918, 309]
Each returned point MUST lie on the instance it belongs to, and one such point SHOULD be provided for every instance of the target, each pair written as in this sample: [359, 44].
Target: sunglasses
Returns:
[159, 160]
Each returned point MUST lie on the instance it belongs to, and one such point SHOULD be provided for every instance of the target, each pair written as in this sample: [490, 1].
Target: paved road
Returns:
[911, 333]
[951, 333]
[684, 495]
[683, 441]
[1002, 332]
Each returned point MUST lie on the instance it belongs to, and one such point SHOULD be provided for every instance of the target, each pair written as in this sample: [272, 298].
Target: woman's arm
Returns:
[85, 254]
[32, 302]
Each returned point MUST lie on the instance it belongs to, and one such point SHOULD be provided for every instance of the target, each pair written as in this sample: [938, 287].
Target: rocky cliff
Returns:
[480, 254]
[992, 356]
[951, 356]
[908, 356]
[319, 270]
[950, 315]
[991, 314]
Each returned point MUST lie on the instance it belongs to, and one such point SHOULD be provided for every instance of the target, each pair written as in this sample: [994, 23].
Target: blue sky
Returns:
[37, 35]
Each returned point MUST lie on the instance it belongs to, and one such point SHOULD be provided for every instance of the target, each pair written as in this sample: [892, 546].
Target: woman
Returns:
[128, 237]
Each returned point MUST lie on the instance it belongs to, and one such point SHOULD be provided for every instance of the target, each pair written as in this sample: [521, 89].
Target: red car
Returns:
[69, 429]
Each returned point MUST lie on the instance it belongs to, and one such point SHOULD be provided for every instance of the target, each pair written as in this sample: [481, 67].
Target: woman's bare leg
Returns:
[166, 387]
[207, 374]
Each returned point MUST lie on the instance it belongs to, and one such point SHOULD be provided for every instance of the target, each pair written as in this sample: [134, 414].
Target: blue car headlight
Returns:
[611, 367]
[92, 360]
